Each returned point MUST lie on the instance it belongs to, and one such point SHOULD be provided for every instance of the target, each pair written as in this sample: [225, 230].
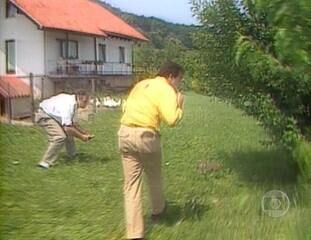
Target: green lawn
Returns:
[82, 199]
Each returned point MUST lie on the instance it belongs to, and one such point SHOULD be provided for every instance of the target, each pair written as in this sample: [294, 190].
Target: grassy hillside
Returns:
[82, 199]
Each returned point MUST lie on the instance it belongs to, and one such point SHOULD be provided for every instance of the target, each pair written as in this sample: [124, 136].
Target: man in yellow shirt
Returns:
[150, 102]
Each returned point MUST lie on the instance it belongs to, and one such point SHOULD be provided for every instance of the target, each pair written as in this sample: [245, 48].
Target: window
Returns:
[102, 52]
[122, 54]
[10, 56]
[11, 10]
[72, 49]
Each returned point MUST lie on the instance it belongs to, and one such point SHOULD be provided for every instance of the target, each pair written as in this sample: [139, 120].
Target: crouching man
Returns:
[56, 116]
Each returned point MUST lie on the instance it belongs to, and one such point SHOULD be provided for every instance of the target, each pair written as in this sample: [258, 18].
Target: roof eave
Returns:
[113, 34]
[75, 31]
[40, 26]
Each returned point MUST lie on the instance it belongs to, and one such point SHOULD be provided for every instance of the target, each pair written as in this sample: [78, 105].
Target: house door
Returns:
[2, 105]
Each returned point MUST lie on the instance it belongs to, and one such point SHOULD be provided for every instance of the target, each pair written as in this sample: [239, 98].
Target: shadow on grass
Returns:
[192, 209]
[263, 167]
[84, 158]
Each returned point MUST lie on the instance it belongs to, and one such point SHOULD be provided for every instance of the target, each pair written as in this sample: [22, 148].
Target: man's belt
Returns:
[138, 126]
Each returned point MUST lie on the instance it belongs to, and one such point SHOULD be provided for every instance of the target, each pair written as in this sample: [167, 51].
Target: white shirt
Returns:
[61, 107]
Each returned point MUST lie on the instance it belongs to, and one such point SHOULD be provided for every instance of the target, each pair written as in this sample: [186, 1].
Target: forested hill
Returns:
[157, 30]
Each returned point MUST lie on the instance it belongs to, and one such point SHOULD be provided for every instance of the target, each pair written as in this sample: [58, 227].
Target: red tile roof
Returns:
[12, 86]
[83, 16]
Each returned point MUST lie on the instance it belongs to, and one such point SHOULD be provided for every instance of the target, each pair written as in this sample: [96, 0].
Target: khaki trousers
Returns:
[56, 136]
[141, 151]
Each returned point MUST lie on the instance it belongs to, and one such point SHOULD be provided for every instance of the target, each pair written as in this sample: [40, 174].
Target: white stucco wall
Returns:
[112, 48]
[2, 43]
[86, 50]
[112, 54]
[29, 43]
[52, 47]
[86, 46]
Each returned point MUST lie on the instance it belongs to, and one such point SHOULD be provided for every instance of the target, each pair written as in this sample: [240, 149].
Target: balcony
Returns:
[75, 68]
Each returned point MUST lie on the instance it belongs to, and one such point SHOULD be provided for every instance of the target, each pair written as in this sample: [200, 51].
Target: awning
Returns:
[13, 87]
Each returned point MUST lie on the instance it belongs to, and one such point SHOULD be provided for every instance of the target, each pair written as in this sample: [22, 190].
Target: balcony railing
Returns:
[87, 67]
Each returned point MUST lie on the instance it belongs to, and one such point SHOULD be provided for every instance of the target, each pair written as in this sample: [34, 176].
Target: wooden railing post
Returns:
[32, 98]
[9, 104]
[94, 94]
[42, 88]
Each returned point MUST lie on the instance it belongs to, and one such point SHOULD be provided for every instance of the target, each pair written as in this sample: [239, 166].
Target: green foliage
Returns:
[282, 129]
[215, 42]
[257, 54]
[159, 31]
[303, 155]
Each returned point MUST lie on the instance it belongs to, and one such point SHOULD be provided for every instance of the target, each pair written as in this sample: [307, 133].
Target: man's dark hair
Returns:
[82, 94]
[170, 68]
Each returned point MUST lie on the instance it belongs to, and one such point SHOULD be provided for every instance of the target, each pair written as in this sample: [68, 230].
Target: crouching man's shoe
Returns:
[44, 165]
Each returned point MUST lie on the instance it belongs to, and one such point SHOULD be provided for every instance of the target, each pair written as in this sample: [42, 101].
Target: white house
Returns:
[63, 44]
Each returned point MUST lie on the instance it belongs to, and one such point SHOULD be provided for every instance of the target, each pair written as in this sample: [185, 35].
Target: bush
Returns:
[302, 153]
[258, 55]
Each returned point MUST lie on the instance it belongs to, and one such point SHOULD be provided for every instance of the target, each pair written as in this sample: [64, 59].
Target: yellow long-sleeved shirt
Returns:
[150, 102]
